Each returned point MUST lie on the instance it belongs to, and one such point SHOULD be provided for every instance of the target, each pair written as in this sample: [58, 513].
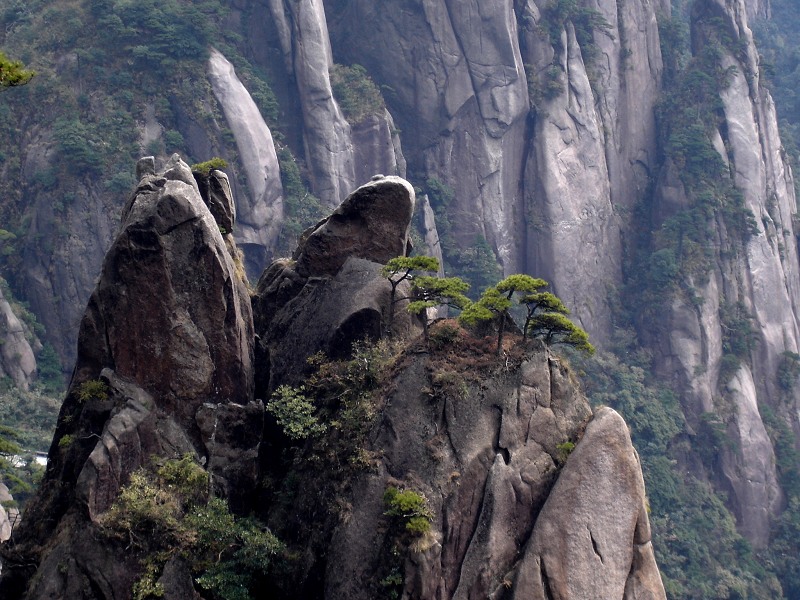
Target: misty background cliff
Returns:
[636, 154]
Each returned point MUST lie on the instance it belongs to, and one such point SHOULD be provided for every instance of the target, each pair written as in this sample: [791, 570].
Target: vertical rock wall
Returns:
[17, 347]
[260, 212]
[763, 277]
[459, 94]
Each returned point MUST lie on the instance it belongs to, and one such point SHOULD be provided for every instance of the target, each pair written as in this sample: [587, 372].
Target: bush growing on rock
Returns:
[166, 512]
[409, 509]
[356, 93]
[94, 389]
[294, 412]
[206, 167]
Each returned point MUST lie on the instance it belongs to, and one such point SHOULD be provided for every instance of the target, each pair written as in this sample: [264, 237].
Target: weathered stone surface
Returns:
[17, 346]
[303, 33]
[169, 272]
[763, 278]
[332, 293]
[430, 233]
[581, 543]
[372, 223]
[232, 435]
[169, 331]
[177, 581]
[576, 243]
[377, 148]
[215, 190]
[453, 68]
[8, 516]
[486, 462]
[261, 208]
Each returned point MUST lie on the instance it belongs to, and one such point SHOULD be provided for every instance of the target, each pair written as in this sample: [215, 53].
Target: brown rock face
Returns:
[371, 223]
[484, 442]
[332, 293]
[480, 439]
[169, 332]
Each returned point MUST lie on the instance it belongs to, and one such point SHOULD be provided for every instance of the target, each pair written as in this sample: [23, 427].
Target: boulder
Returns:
[332, 293]
[592, 536]
[372, 223]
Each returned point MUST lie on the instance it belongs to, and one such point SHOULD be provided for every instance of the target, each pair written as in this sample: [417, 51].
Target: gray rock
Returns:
[169, 330]
[372, 223]
[215, 190]
[232, 436]
[17, 347]
[8, 516]
[763, 277]
[581, 543]
[261, 209]
[575, 244]
[305, 43]
[487, 461]
[169, 272]
[331, 293]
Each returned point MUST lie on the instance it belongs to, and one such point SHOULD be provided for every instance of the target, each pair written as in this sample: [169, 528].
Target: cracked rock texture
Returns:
[490, 462]
[169, 332]
[580, 546]
[549, 144]
[331, 293]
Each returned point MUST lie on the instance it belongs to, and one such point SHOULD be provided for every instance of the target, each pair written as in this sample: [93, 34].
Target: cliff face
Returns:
[165, 369]
[760, 278]
[540, 118]
[18, 347]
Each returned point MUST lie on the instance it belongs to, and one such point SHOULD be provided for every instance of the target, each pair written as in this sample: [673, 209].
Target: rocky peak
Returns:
[371, 223]
[482, 445]
[331, 293]
[164, 368]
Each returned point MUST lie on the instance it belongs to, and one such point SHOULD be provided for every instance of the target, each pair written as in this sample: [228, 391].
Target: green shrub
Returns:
[94, 389]
[66, 441]
[206, 167]
[294, 412]
[788, 370]
[168, 512]
[356, 93]
[409, 509]
[564, 450]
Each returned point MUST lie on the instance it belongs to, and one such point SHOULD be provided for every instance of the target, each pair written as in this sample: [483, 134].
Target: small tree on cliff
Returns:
[555, 328]
[13, 73]
[399, 269]
[543, 302]
[496, 301]
[429, 292]
[546, 313]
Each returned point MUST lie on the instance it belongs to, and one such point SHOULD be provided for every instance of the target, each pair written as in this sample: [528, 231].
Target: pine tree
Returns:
[12, 72]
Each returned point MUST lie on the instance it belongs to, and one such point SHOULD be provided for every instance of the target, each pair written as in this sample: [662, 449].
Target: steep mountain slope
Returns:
[626, 151]
[441, 471]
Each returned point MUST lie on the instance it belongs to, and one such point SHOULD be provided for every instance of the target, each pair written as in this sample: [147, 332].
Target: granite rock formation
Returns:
[167, 344]
[168, 334]
[18, 346]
